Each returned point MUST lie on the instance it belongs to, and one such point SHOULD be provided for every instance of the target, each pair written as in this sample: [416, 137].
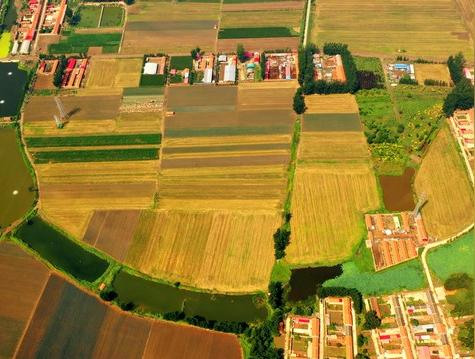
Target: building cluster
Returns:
[281, 66]
[329, 68]
[411, 327]
[250, 69]
[329, 333]
[204, 67]
[399, 70]
[227, 65]
[155, 65]
[462, 127]
[53, 17]
[394, 237]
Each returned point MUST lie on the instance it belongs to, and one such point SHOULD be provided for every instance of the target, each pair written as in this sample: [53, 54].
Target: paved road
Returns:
[307, 21]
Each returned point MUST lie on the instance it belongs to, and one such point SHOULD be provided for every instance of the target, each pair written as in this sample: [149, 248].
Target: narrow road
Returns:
[307, 21]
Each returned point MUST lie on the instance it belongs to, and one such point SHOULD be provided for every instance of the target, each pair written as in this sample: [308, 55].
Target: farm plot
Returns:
[197, 248]
[259, 26]
[335, 103]
[101, 331]
[21, 285]
[443, 178]
[167, 30]
[438, 72]
[421, 29]
[80, 43]
[108, 73]
[328, 204]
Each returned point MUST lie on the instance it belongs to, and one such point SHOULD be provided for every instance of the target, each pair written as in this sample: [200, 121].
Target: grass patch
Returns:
[280, 272]
[5, 44]
[107, 140]
[80, 43]
[112, 16]
[181, 62]
[256, 32]
[407, 275]
[445, 260]
[153, 80]
[89, 16]
[130, 154]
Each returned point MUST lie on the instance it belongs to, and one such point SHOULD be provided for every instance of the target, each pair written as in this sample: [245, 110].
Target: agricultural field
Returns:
[260, 25]
[168, 30]
[197, 248]
[79, 43]
[335, 103]
[449, 207]
[426, 28]
[112, 73]
[438, 72]
[467, 11]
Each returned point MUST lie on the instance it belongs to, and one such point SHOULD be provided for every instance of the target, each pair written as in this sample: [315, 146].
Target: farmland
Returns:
[111, 73]
[449, 207]
[76, 43]
[438, 72]
[419, 29]
[148, 29]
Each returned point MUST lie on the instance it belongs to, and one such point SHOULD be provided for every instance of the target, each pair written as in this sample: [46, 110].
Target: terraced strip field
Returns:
[168, 30]
[419, 29]
[449, 206]
[52, 311]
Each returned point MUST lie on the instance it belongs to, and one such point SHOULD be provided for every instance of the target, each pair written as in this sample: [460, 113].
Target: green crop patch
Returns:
[226, 131]
[331, 122]
[89, 16]
[256, 32]
[153, 80]
[108, 140]
[130, 154]
[143, 91]
[247, 1]
[112, 16]
[80, 43]
[181, 62]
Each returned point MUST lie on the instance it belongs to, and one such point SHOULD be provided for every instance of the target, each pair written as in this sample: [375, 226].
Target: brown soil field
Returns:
[439, 72]
[337, 103]
[339, 146]
[170, 341]
[107, 73]
[274, 96]
[260, 44]
[189, 99]
[204, 248]
[21, 284]
[70, 322]
[328, 204]
[44, 82]
[256, 6]
[42, 108]
[443, 178]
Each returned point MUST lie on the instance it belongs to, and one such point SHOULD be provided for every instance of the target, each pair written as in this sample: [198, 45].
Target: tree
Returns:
[281, 241]
[458, 281]
[275, 320]
[299, 102]
[241, 53]
[262, 342]
[276, 295]
[461, 97]
[196, 53]
[456, 64]
[58, 75]
[466, 334]
[108, 295]
[75, 18]
[362, 340]
[372, 321]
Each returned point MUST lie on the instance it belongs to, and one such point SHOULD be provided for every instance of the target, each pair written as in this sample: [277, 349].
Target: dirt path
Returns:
[307, 21]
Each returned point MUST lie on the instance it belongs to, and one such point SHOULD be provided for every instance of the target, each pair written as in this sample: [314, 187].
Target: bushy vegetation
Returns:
[456, 64]
[58, 75]
[256, 32]
[406, 80]
[465, 335]
[371, 320]
[152, 80]
[431, 82]
[461, 97]
[130, 154]
[355, 294]
[462, 300]
[105, 140]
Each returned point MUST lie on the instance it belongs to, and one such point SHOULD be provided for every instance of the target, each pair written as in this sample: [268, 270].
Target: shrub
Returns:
[108, 295]
[372, 321]
[431, 82]
[58, 75]
[458, 281]
[406, 80]
[299, 101]
[461, 97]
[276, 295]
[456, 64]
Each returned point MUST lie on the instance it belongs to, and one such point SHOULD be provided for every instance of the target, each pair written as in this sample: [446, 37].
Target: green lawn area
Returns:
[181, 62]
[113, 16]
[369, 64]
[106, 140]
[80, 43]
[454, 257]
[5, 44]
[89, 16]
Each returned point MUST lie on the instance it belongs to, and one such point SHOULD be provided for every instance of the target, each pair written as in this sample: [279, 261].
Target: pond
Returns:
[12, 88]
[155, 297]
[60, 251]
[304, 281]
[397, 191]
[16, 184]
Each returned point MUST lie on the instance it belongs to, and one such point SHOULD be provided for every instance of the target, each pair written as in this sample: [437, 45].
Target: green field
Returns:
[112, 16]
[153, 80]
[225, 131]
[61, 252]
[181, 62]
[107, 140]
[323, 122]
[80, 43]
[89, 16]
[454, 257]
[130, 154]
[372, 64]
[256, 32]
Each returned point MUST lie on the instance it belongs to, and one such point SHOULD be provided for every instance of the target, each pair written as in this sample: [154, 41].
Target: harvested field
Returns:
[42, 108]
[259, 44]
[254, 97]
[438, 72]
[21, 285]
[328, 204]
[191, 99]
[107, 73]
[425, 28]
[442, 176]
[336, 103]
[332, 122]
[336, 146]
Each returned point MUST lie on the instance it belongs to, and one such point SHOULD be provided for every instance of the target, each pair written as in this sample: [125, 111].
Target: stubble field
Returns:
[111, 73]
[439, 72]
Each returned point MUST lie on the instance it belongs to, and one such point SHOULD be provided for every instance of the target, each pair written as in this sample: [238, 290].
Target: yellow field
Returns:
[216, 250]
[107, 73]
[443, 178]
[439, 72]
[339, 146]
[328, 204]
[425, 28]
[338, 103]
